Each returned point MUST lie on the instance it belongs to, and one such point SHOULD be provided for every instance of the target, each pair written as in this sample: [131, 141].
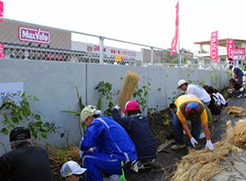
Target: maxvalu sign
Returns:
[34, 35]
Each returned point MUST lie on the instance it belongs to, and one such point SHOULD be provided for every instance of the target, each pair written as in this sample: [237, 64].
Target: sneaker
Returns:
[239, 96]
[177, 147]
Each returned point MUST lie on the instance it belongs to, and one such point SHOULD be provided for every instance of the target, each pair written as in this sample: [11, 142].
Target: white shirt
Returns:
[199, 92]
[221, 99]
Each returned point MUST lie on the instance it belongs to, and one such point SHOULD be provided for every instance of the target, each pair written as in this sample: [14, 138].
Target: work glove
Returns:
[193, 142]
[117, 107]
[81, 153]
[209, 145]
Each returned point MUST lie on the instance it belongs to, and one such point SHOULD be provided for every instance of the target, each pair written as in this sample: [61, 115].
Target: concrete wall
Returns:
[54, 84]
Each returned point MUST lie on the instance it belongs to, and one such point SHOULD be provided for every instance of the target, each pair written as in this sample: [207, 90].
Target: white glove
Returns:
[81, 153]
[117, 107]
[193, 142]
[209, 145]
[122, 115]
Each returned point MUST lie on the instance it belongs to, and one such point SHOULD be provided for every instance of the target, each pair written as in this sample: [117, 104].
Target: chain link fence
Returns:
[26, 41]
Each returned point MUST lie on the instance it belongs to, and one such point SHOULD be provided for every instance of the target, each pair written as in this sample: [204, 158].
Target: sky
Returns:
[140, 21]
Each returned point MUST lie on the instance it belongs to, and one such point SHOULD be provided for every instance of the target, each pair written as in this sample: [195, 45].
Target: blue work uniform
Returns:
[113, 145]
[137, 127]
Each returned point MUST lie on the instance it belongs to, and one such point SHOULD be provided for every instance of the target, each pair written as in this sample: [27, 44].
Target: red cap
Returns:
[130, 106]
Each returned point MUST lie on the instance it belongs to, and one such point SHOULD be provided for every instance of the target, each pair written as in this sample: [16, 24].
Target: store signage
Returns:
[13, 90]
[54, 56]
[239, 53]
[34, 35]
[1, 10]
[2, 55]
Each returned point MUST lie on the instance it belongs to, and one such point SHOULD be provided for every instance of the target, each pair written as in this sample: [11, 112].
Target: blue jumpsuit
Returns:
[113, 145]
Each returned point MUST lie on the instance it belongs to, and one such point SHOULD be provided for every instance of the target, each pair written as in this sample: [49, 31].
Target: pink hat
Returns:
[130, 106]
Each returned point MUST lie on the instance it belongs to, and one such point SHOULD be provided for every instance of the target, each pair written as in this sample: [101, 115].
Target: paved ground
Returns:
[165, 161]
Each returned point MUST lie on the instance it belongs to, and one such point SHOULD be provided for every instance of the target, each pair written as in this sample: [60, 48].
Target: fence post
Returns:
[101, 49]
[152, 56]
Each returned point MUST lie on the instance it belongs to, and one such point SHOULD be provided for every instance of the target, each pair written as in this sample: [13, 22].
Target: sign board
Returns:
[12, 90]
[239, 53]
[34, 35]
[2, 55]
[1, 10]
[93, 48]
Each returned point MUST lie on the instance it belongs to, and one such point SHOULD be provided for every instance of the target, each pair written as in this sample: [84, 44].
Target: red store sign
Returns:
[54, 56]
[239, 53]
[34, 35]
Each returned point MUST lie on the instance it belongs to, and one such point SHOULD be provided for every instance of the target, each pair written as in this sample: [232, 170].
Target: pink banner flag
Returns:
[214, 47]
[175, 39]
[1, 10]
[2, 55]
[230, 49]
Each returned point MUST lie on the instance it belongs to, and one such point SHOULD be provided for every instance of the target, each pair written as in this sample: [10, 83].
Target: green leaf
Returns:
[37, 117]
[44, 135]
[35, 98]
[45, 128]
[5, 131]
[73, 112]
[38, 124]
[99, 103]
[23, 95]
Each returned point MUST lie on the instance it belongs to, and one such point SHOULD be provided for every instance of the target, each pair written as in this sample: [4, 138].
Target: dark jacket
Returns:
[138, 129]
[25, 163]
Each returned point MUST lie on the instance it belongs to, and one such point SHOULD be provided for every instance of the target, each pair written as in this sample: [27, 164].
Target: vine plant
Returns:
[17, 113]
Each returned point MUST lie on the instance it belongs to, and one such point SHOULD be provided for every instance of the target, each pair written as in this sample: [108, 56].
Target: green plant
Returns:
[140, 94]
[104, 89]
[16, 113]
[77, 113]
[174, 97]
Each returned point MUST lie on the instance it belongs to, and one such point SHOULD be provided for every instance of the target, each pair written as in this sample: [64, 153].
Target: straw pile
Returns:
[202, 165]
[59, 157]
[235, 111]
[127, 90]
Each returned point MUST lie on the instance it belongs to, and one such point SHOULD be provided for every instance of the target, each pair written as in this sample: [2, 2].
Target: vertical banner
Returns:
[176, 36]
[230, 49]
[214, 55]
[2, 55]
[1, 10]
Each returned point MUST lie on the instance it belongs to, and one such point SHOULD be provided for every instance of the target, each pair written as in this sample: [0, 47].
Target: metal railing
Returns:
[73, 46]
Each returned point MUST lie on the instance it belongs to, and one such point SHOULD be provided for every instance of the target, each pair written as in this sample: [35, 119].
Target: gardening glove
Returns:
[81, 153]
[193, 142]
[117, 107]
[209, 145]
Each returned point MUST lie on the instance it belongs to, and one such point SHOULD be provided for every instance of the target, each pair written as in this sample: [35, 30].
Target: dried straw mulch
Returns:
[202, 165]
[130, 83]
[235, 111]
[59, 156]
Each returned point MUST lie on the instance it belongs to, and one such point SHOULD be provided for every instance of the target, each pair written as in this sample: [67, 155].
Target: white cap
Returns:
[181, 82]
[89, 111]
[71, 167]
